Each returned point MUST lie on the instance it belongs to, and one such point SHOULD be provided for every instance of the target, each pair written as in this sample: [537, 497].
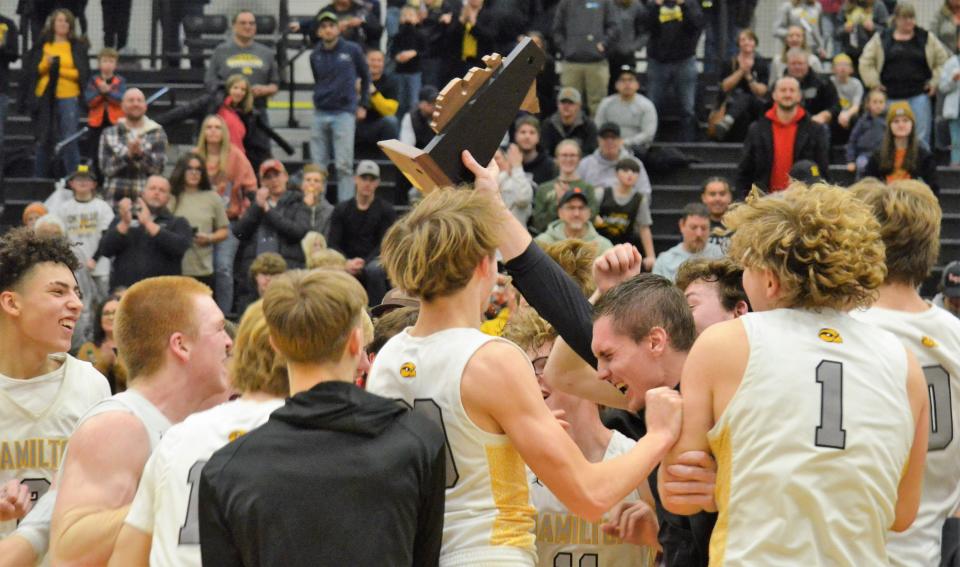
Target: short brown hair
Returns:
[108, 53]
[822, 242]
[313, 168]
[390, 324]
[529, 330]
[150, 311]
[724, 272]
[268, 263]
[576, 258]
[21, 249]
[327, 258]
[909, 216]
[256, 366]
[647, 301]
[433, 251]
[311, 314]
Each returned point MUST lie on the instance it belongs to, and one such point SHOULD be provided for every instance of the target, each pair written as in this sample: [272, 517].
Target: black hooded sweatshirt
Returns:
[337, 476]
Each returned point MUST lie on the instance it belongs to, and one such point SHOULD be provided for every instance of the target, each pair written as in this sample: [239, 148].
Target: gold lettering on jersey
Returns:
[40, 453]
[408, 370]
[828, 335]
[929, 342]
[567, 529]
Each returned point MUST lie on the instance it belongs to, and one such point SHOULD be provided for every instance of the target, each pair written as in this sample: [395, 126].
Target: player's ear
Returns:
[658, 340]
[177, 344]
[10, 302]
[741, 309]
[771, 283]
[355, 342]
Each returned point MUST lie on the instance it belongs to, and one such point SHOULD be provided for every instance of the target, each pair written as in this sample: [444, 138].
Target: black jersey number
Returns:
[429, 409]
[941, 407]
[190, 530]
[830, 432]
[565, 559]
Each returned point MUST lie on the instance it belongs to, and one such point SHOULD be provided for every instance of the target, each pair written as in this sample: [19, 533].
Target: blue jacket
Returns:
[335, 72]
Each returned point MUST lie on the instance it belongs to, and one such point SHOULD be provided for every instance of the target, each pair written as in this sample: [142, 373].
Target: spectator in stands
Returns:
[326, 259]
[950, 88]
[415, 127]
[624, 215]
[357, 228]
[132, 150]
[796, 38]
[146, 240]
[819, 96]
[744, 88]
[783, 135]
[172, 14]
[358, 21]
[547, 195]
[116, 22]
[245, 122]
[338, 65]
[948, 296]
[405, 49]
[574, 222]
[264, 268]
[242, 55]
[906, 60]
[276, 221]
[194, 200]
[32, 212]
[902, 156]
[868, 132]
[381, 120]
[313, 187]
[569, 121]
[714, 291]
[56, 70]
[600, 168]
[945, 24]
[101, 352]
[632, 112]
[548, 82]
[538, 165]
[695, 233]
[583, 32]
[516, 189]
[714, 54]
[806, 14]
[470, 35]
[103, 94]
[675, 30]
[861, 19]
[629, 16]
[850, 92]
[435, 25]
[831, 18]
[232, 175]
[85, 218]
[9, 53]
[717, 195]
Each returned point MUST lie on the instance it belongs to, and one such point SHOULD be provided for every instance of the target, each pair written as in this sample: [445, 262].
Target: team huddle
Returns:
[815, 429]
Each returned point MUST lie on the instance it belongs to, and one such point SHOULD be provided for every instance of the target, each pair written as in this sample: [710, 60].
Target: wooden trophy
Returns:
[472, 113]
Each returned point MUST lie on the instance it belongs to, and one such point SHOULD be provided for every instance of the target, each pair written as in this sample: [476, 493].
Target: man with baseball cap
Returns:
[949, 296]
[600, 168]
[569, 122]
[574, 222]
[276, 222]
[634, 113]
[806, 171]
[357, 228]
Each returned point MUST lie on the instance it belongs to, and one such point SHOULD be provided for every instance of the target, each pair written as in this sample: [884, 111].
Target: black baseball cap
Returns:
[575, 193]
[84, 169]
[950, 281]
[806, 171]
[608, 128]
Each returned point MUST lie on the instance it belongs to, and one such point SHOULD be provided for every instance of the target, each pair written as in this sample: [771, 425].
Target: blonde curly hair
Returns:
[529, 330]
[576, 258]
[822, 243]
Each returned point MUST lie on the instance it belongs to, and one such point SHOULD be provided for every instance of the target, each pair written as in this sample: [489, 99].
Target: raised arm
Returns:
[500, 390]
[99, 479]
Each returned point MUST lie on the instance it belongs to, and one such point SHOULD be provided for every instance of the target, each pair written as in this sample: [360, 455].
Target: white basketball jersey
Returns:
[488, 517]
[934, 337]
[168, 495]
[567, 540]
[812, 446]
[131, 401]
[33, 436]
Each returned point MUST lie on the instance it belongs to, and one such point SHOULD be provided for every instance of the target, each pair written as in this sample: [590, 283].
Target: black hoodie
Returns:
[338, 476]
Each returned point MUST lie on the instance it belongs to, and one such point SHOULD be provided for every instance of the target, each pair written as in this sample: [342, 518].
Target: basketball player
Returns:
[817, 421]
[482, 390]
[161, 528]
[628, 537]
[171, 336]
[909, 216]
[43, 390]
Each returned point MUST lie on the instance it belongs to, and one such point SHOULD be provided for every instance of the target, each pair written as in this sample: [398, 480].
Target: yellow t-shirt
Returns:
[68, 86]
[469, 50]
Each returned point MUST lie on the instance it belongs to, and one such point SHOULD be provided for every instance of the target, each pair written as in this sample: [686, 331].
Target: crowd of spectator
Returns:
[854, 73]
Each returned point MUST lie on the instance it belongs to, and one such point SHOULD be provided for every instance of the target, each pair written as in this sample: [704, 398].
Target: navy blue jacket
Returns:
[335, 72]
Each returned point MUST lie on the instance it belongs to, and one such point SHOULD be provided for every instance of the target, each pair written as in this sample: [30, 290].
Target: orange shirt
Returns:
[898, 171]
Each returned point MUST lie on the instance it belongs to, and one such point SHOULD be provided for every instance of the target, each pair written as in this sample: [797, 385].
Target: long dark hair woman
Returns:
[195, 200]
[101, 352]
[902, 155]
[55, 71]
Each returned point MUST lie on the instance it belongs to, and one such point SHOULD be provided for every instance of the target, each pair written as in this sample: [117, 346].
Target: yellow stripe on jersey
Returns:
[515, 521]
[723, 453]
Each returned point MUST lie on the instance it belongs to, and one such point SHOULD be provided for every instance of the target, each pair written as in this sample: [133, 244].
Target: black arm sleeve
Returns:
[556, 298]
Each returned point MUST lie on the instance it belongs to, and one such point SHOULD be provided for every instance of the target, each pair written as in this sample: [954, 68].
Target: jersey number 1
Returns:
[830, 432]
[190, 530]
